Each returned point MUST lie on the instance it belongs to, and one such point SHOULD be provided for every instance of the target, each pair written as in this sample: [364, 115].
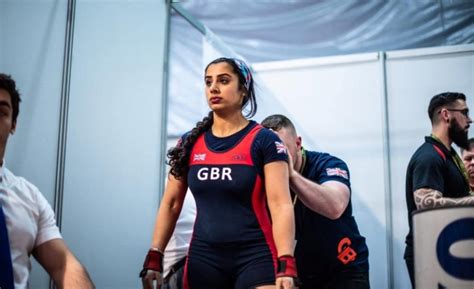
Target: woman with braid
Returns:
[237, 171]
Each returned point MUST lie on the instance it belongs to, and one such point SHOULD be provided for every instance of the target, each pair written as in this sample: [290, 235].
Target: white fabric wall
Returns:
[335, 104]
[338, 101]
[292, 29]
[413, 77]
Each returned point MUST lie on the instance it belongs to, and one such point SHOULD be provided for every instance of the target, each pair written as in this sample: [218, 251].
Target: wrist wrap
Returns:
[286, 267]
[153, 261]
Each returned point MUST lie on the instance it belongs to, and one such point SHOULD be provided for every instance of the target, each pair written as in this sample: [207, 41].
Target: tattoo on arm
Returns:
[429, 198]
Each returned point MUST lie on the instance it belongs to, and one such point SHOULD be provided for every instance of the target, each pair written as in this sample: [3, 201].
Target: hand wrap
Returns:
[287, 267]
[153, 261]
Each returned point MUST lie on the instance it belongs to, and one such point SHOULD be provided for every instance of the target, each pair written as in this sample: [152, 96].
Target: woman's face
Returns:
[223, 91]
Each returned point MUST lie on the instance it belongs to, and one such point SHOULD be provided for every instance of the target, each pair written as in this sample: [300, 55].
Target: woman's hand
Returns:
[149, 277]
[285, 283]
[152, 269]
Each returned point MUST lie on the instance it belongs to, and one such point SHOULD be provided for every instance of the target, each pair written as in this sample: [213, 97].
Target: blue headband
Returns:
[245, 70]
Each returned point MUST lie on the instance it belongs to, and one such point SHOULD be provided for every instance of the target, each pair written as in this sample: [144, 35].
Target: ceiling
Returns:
[280, 30]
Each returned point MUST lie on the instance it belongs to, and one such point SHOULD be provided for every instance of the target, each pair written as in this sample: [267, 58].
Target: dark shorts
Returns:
[347, 279]
[239, 266]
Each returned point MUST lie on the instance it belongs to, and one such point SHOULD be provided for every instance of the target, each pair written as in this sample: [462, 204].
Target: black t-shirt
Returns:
[432, 166]
[321, 242]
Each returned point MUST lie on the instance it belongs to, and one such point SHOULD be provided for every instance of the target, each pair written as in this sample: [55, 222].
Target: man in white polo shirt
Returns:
[177, 249]
[27, 223]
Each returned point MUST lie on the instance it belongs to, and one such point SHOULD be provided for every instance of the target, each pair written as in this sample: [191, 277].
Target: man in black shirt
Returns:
[436, 176]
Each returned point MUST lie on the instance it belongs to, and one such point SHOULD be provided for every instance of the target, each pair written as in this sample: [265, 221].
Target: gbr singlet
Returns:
[232, 244]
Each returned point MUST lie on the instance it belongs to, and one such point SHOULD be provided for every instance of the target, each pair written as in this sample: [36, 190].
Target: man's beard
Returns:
[458, 135]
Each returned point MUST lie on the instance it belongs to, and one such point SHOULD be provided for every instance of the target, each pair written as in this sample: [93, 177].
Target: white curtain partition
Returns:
[338, 102]
[413, 77]
[289, 29]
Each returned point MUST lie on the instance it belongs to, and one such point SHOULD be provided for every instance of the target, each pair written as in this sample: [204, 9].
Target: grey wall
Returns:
[112, 172]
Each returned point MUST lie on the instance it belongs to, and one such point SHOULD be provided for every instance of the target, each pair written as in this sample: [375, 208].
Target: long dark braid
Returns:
[179, 155]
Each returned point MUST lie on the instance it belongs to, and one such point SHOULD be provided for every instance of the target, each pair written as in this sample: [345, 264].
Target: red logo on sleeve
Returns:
[346, 253]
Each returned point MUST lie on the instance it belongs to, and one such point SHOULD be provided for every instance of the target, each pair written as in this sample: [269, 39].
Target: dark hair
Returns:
[277, 122]
[179, 155]
[7, 83]
[470, 145]
[442, 99]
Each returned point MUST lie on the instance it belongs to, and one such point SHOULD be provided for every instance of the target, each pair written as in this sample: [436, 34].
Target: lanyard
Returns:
[457, 161]
[303, 163]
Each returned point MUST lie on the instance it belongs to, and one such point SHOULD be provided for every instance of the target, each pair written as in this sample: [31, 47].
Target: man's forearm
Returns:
[63, 267]
[329, 199]
[75, 276]
[429, 198]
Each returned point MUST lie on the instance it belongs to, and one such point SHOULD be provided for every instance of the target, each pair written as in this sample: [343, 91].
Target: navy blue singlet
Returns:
[232, 243]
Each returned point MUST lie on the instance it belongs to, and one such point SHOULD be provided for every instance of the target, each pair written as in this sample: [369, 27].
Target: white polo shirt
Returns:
[178, 245]
[30, 222]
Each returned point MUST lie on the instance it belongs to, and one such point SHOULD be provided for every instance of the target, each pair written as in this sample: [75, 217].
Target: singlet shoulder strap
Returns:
[248, 139]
